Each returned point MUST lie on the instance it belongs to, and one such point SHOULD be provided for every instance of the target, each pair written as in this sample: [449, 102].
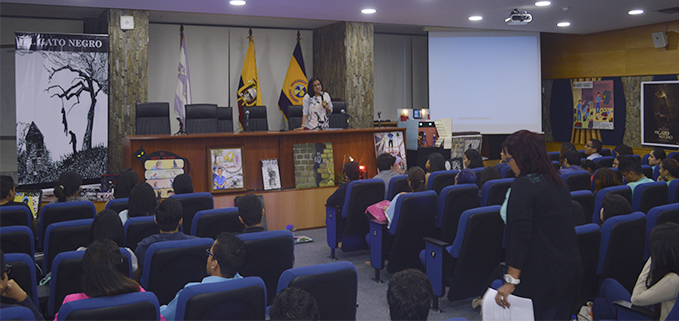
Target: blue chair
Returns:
[351, 225]
[452, 202]
[605, 152]
[17, 239]
[636, 157]
[605, 161]
[589, 243]
[397, 185]
[586, 200]
[169, 265]
[644, 159]
[139, 228]
[554, 156]
[672, 191]
[239, 299]
[582, 153]
[210, 223]
[23, 273]
[656, 172]
[626, 311]
[438, 180]
[476, 252]
[414, 219]
[494, 191]
[621, 256]
[657, 216]
[649, 195]
[15, 215]
[505, 171]
[60, 212]
[192, 203]
[333, 285]
[63, 237]
[648, 171]
[66, 277]
[129, 306]
[117, 204]
[17, 313]
[623, 190]
[577, 180]
[556, 165]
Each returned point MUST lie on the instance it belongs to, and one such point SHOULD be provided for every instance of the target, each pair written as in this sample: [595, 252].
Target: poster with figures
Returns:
[271, 174]
[593, 104]
[227, 169]
[659, 113]
[61, 106]
[394, 144]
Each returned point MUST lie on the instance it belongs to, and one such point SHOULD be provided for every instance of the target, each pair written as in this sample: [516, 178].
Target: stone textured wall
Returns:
[314, 165]
[632, 88]
[546, 105]
[343, 60]
[128, 78]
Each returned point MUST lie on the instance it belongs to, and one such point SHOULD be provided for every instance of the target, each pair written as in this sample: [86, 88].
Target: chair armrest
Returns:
[335, 206]
[627, 308]
[436, 242]
[377, 221]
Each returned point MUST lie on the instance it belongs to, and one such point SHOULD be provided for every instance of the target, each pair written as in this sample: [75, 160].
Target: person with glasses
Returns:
[224, 258]
[12, 294]
[593, 149]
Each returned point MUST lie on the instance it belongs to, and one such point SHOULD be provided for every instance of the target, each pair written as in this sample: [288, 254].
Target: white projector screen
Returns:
[486, 81]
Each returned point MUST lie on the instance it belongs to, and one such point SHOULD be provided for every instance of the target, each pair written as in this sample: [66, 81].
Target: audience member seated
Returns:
[126, 180]
[250, 212]
[606, 177]
[588, 165]
[669, 170]
[351, 173]
[68, 188]
[182, 184]
[409, 295]
[593, 149]
[617, 160]
[487, 174]
[614, 205]
[142, 202]
[658, 282]
[294, 304]
[107, 225]
[416, 184]
[224, 258]
[169, 219]
[472, 159]
[8, 191]
[564, 148]
[102, 273]
[632, 172]
[12, 294]
[578, 213]
[571, 162]
[465, 176]
[656, 156]
[623, 150]
[435, 163]
[385, 167]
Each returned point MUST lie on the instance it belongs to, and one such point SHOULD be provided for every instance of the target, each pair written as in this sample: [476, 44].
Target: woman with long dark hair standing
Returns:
[316, 106]
[543, 261]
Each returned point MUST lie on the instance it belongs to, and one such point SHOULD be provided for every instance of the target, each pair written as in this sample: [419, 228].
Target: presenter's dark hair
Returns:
[6, 186]
[528, 150]
[659, 153]
[474, 157]
[436, 162]
[125, 182]
[416, 178]
[409, 295]
[294, 304]
[672, 166]
[385, 161]
[310, 89]
[664, 249]
[573, 157]
[68, 186]
[250, 209]
[229, 251]
[596, 144]
[142, 200]
[182, 184]
[102, 271]
[352, 170]
[168, 214]
[107, 225]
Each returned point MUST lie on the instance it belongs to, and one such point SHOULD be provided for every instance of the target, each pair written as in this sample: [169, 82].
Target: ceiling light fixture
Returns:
[475, 18]
[563, 24]
[237, 2]
[635, 12]
[542, 3]
[368, 11]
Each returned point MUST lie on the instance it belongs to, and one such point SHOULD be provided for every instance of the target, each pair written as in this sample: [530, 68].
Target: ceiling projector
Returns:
[518, 18]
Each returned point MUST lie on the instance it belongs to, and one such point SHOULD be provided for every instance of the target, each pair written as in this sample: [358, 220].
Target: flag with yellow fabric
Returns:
[295, 84]
[248, 85]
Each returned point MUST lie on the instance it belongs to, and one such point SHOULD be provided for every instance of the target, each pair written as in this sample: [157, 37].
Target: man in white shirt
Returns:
[593, 148]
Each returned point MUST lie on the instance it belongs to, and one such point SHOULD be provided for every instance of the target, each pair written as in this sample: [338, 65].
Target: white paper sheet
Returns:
[520, 309]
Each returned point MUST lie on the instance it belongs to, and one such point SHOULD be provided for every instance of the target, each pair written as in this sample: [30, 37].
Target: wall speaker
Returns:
[659, 39]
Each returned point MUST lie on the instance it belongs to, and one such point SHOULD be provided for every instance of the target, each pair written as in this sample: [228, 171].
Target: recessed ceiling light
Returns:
[475, 18]
[635, 12]
[543, 3]
[368, 11]
[237, 2]
[563, 24]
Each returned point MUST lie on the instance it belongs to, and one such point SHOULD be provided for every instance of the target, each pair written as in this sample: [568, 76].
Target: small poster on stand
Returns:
[271, 174]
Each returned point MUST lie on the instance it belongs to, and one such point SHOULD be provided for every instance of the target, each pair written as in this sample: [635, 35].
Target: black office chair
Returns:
[201, 118]
[254, 119]
[153, 118]
[225, 119]
[294, 116]
[339, 117]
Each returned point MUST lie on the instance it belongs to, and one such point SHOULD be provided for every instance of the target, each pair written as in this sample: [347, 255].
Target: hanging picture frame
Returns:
[271, 174]
[225, 167]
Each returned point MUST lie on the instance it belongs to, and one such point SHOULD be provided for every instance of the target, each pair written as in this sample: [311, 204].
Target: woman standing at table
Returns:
[543, 261]
[316, 106]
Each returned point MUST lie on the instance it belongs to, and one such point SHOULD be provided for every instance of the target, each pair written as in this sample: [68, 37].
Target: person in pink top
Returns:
[102, 273]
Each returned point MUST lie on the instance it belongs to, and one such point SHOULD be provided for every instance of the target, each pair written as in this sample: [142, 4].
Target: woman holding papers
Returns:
[316, 106]
[543, 261]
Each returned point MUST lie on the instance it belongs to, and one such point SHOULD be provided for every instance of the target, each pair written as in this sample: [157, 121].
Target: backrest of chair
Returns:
[397, 185]
[257, 120]
[18, 313]
[210, 223]
[481, 231]
[672, 154]
[438, 180]
[452, 202]
[605, 161]
[577, 180]
[649, 195]
[192, 203]
[414, 219]
[23, 273]
[656, 172]
[623, 190]
[153, 118]
[660, 215]
[294, 116]
[66, 277]
[586, 200]
[117, 204]
[236, 299]
[139, 228]
[63, 237]
[337, 119]
[553, 156]
[267, 255]
[622, 248]
[672, 191]
[17, 239]
[360, 195]
[67, 211]
[201, 118]
[589, 243]
[15, 215]
[333, 285]
[170, 265]
[225, 119]
[129, 306]
[648, 171]
[494, 191]
[504, 171]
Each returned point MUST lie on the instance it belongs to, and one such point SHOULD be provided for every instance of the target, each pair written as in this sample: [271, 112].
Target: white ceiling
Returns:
[397, 16]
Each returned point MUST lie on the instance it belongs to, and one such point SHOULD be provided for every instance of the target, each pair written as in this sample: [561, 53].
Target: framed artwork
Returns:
[391, 143]
[271, 174]
[227, 173]
[314, 165]
[659, 124]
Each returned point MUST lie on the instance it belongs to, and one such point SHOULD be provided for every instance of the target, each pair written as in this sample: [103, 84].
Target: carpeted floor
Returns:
[372, 298]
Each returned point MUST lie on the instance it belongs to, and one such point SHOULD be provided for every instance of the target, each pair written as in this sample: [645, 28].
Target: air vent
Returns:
[669, 10]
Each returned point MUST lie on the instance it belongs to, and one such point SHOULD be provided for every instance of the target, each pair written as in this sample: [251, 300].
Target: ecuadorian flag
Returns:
[295, 84]
[248, 85]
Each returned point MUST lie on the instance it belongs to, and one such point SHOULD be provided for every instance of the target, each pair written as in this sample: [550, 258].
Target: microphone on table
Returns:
[247, 120]
[342, 111]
